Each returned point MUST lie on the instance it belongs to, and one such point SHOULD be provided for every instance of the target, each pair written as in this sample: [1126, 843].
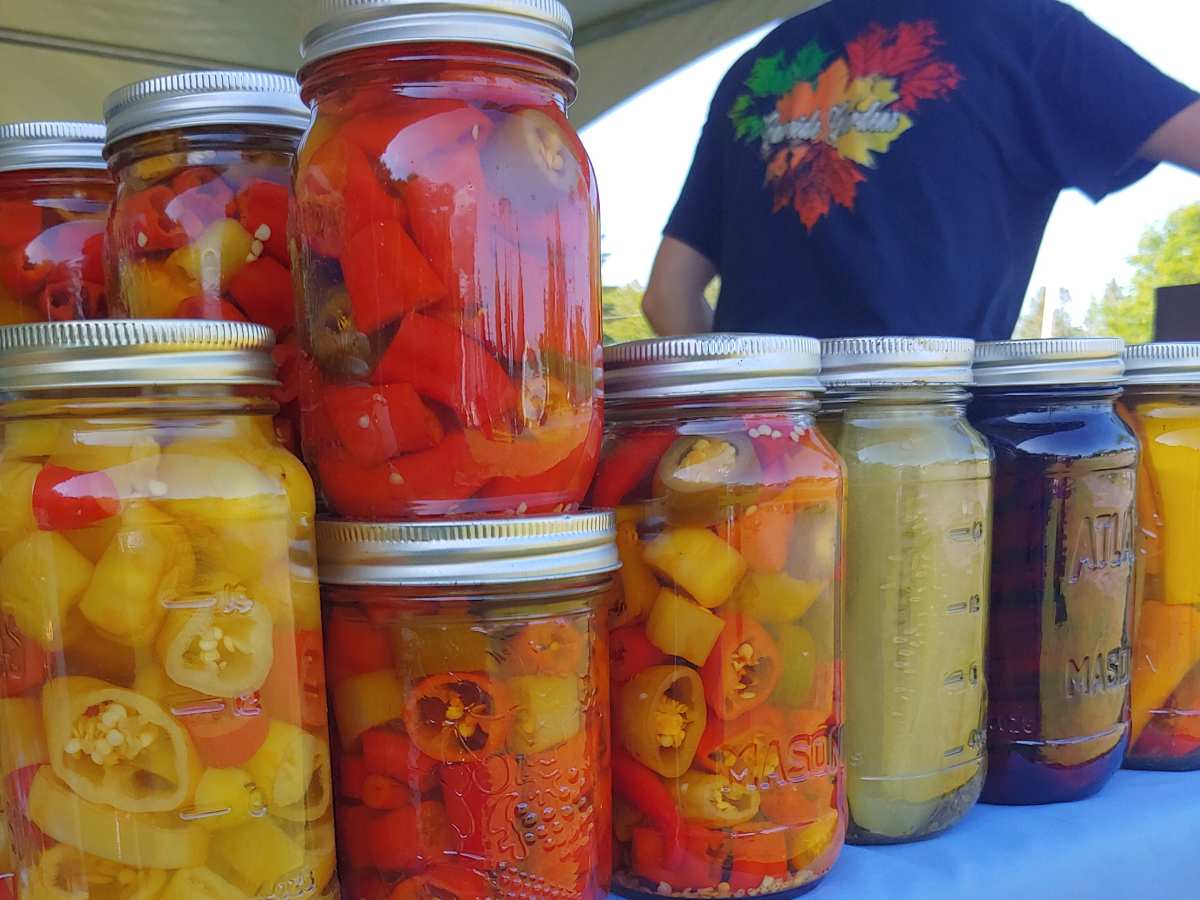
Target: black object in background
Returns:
[1178, 314]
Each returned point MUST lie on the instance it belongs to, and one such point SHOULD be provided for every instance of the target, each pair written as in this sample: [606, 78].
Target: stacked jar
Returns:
[1062, 589]
[726, 670]
[468, 667]
[448, 243]
[1162, 405]
[163, 700]
[919, 514]
[199, 225]
[54, 197]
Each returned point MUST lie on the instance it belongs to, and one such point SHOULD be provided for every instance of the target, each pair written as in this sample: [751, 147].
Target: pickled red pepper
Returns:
[725, 681]
[448, 241]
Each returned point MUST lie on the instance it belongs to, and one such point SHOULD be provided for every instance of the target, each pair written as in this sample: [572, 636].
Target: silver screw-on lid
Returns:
[191, 99]
[717, 364]
[51, 145]
[896, 361]
[1065, 361]
[1163, 363]
[538, 26]
[125, 353]
[477, 552]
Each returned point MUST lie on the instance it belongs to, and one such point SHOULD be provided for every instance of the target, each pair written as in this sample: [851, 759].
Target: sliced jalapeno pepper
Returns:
[455, 718]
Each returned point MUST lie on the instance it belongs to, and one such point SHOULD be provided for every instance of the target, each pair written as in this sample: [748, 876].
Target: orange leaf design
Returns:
[799, 102]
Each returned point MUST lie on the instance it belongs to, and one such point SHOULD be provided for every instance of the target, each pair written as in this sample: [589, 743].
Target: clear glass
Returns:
[163, 684]
[52, 245]
[449, 242]
[918, 557]
[1165, 732]
[472, 740]
[199, 231]
[1062, 591]
[726, 664]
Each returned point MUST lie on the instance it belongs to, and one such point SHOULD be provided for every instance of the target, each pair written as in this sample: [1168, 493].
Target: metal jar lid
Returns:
[537, 26]
[191, 99]
[714, 364]
[1163, 363]
[121, 353]
[896, 361]
[51, 145]
[1047, 363]
[477, 552]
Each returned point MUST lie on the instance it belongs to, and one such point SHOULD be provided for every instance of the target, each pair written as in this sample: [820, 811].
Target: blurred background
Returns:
[649, 71]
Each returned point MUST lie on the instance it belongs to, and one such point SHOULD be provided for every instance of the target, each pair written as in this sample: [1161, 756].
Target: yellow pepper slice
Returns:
[433, 647]
[285, 765]
[222, 645]
[679, 627]
[260, 853]
[200, 884]
[22, 737]
[138, 840]
[16, 502]
[30, 439]
[699, 562]
[226, 798]
[546, 711]
[65, 873]
[148, 564]
[775, 598]
[364, 701]
[153, 290]
[42, 577]
[318, 794]
[714, 799]
[662, 718]
[806, 845]
[127, 454]
[217, 255]
[113, 746]
[639, 587]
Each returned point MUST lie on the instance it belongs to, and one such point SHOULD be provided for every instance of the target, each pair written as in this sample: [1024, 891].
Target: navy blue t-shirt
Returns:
[883, 167]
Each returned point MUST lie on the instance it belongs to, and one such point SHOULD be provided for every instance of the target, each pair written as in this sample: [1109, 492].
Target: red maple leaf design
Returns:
[905, 53]
[811, 179]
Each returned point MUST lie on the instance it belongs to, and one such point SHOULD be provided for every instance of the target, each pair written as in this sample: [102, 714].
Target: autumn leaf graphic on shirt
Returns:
[823, 124]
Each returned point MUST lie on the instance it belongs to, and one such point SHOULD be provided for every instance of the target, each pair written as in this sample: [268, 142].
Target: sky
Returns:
[1086, 245]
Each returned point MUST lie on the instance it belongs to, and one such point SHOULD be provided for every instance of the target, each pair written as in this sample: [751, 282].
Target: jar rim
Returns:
[126, 353]
[1163, 363]
[896, 361]
[543, 27]
[51, 145]
[208, 98]
[711, 365]
[1048, 363]
[467, 552]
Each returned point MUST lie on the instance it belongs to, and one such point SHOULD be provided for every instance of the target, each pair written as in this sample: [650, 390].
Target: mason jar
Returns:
[1162, 405]
[164, 724]
[919, 524]
[726, 663]
[54, 197]
[449, 250]
[1062, 588]
[199, 227]
[468, 668]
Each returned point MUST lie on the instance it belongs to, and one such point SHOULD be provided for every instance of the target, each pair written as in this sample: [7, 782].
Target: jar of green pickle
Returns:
[917, 558]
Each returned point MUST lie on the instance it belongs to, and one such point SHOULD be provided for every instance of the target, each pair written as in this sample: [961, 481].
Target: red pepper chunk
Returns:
[20, 222]
[355, 646]
[456, 718]
[67, 299]
[263, 290]
[630, 652]
[295, 687]
[352, 774]
[645, 791]
[408, 838]
[226, 733]
[391, 753]
[481, 800]
[376, 423]
[627, 464]
[546, 648]
[445, 365]
[381, 792]
[65, 499]
[23, 662]
[354, 825]
[757, 851]
[444, 883]
[387, 276]
[742, 669]
[144, 224]
[262, 208]
[696, 863]
[364, 885]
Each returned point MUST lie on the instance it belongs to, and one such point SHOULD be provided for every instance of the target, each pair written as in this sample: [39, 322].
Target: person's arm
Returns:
[1178, 141]
[674, 302]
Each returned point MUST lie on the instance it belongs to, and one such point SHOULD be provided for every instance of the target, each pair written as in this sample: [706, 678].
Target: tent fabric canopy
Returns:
[60, 58]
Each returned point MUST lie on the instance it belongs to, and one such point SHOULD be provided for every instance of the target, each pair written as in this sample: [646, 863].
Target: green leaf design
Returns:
[807, 65]
[770, 78]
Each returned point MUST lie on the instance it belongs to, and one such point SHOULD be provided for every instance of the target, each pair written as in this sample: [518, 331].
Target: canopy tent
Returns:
[60, 58]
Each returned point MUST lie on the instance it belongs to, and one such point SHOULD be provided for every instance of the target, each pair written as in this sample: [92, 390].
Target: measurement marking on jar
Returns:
[955, 679]
[973, 532]
[954, 751]
[974, 605]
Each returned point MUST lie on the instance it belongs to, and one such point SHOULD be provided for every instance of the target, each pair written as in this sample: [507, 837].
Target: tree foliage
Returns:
[1029, 326]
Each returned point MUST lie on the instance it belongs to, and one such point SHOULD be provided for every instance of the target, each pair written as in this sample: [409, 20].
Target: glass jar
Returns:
[726, 665]
[199, 225]
[468, 668]
[54, 197]
[163, 691]
[1062, 588]
[448, 240]
[1162, 405]
[919, 524]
